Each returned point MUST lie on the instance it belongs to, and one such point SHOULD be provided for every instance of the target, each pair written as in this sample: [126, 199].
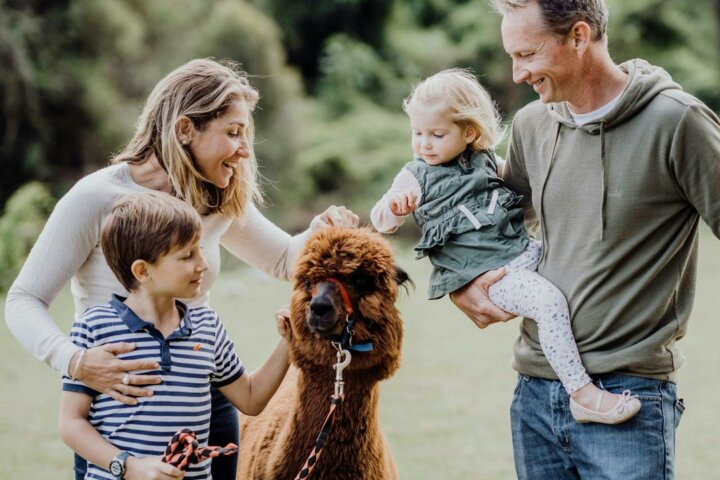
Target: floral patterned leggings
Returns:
[522, 291]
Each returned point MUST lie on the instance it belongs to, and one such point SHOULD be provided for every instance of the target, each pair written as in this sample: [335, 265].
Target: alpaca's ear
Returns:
[402, 278]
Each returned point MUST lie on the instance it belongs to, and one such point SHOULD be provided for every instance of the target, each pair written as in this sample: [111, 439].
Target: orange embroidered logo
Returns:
[197, 347]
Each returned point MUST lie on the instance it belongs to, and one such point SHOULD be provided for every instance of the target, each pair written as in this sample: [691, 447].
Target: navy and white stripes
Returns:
[194, 355]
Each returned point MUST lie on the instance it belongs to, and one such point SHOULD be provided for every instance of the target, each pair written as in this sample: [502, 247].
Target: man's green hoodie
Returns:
[618, 203]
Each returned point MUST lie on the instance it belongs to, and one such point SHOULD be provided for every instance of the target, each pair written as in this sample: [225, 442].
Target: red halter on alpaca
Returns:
[345, 341]
[343, 294]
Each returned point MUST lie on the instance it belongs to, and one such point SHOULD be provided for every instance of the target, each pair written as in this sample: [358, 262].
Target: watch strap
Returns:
[117, 464]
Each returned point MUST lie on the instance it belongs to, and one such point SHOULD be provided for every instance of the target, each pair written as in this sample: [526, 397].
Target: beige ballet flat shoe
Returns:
[626, 407]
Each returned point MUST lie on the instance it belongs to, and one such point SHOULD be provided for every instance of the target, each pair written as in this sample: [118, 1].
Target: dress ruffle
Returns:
[437, 232]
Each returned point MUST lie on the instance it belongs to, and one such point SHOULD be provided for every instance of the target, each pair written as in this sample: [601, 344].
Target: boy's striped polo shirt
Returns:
[198, 353]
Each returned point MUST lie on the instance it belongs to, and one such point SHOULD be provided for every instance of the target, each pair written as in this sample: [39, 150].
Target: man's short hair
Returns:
[146, 226]
[560, 15]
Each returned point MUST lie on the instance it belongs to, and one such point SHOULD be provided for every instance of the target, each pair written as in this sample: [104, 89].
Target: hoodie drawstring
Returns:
[603, 165]
[542, 190]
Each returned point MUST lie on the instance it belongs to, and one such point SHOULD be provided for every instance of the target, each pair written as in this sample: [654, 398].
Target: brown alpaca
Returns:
[276, 444]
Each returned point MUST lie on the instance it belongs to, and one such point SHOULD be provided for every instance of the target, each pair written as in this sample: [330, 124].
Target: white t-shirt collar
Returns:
[583, 118]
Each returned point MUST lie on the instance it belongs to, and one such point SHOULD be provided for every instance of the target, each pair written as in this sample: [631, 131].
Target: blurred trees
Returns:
[75, 75]
[306, 26]
[23, 220]
[332, 75]
[357, 137]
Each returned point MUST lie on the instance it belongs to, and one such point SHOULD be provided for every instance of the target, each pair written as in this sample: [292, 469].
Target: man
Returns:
[617, 165]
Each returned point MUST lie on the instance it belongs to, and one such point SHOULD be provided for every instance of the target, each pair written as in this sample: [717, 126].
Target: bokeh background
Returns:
[332, 74]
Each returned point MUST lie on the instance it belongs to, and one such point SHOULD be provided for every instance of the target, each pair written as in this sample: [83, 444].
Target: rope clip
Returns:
[343, 360]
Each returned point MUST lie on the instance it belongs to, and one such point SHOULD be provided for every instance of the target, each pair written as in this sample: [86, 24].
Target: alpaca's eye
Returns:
[304, 283]
[362, 281]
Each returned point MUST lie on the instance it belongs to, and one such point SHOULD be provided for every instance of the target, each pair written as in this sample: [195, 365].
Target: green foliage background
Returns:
[332, 73]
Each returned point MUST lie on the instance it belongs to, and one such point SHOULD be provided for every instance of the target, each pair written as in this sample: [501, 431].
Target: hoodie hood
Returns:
[644, 83]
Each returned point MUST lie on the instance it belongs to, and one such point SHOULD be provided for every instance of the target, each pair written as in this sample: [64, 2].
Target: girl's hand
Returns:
[101, 370]
[335, 217]
[150, 468]
[403, 203]
[282, 318]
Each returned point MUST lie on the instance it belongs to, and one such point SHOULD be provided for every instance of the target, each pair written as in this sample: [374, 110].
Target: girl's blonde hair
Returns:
[468, 102]
[202, 90]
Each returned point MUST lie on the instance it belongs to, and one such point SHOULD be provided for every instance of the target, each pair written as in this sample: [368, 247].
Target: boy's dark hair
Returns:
[146, 226]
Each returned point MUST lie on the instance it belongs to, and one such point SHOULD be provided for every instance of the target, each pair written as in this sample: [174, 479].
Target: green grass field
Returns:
[445, 412]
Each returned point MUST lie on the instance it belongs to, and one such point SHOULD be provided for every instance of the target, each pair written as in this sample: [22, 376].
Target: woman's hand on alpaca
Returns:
[282, 318]
[150, 468]
[473, 300]
[402, 204]
[101, 370]
[335, 217]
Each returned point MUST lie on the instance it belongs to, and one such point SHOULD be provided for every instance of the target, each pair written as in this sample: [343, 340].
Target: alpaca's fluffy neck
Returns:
[356, 434]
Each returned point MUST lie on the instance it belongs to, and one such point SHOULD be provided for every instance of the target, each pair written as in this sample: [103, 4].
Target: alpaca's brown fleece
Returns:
[275, 444]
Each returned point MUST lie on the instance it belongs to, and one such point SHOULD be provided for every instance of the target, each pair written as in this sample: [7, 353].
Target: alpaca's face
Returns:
[330, 305]
[360, 262]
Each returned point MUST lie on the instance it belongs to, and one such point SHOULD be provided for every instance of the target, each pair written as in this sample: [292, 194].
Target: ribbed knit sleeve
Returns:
[260, 243]
[65, 243]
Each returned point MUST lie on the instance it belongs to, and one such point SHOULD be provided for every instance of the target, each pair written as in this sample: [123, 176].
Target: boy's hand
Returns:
[150, 468]
[282, 317]
[402, 203]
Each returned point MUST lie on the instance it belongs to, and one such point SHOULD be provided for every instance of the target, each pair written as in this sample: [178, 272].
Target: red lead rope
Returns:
[321, 439]
[183, 450]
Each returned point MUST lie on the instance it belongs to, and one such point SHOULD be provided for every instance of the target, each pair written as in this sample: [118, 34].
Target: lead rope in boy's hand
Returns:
[182, 450]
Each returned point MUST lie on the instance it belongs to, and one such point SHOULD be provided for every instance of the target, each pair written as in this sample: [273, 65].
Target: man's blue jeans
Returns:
[549, 444]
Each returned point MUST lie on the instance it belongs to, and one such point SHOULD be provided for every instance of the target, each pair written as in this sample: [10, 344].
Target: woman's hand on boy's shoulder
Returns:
[473, 300]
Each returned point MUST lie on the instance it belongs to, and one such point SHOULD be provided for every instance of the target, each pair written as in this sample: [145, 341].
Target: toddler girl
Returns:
[472, 223]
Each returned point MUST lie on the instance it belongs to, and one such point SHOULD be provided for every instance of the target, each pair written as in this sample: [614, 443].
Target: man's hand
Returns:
[473, 300]
[402, 204]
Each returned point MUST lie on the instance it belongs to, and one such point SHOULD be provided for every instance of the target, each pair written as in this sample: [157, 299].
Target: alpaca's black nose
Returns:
[320, 306]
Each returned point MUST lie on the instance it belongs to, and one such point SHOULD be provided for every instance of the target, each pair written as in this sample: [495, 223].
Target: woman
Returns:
[194, 139]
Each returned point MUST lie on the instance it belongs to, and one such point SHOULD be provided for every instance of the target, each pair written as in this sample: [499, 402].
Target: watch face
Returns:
[116, 467]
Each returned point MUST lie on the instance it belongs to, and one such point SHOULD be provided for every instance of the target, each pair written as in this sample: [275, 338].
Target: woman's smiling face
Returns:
[219, 148]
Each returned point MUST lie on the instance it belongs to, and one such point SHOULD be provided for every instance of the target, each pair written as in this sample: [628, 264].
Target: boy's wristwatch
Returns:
[117, 465]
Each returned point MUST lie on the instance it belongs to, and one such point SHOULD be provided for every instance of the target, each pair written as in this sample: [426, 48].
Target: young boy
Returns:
[152, 244]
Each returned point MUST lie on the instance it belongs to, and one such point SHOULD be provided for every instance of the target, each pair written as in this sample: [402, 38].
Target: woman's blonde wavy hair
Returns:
[202, 90]
[468, 102]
